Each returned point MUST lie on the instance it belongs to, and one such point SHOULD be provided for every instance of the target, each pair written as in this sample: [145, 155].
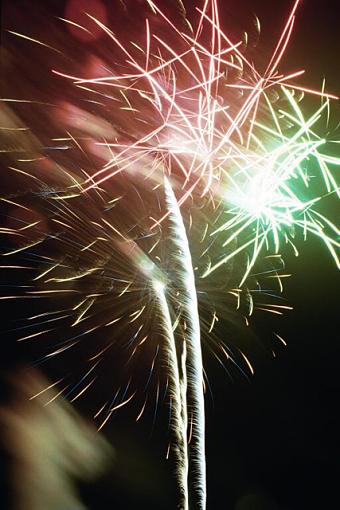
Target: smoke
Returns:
[50, 447]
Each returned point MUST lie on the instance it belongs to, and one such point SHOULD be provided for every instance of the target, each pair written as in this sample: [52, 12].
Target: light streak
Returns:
[259, 193]
[177, 389]
[193, 365]
[212, 139]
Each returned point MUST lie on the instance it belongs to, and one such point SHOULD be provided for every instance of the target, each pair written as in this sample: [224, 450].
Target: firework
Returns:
[177, 381]
[193, 115]
[220, 145]
[177, 391]
[265, 194]
[191, 341]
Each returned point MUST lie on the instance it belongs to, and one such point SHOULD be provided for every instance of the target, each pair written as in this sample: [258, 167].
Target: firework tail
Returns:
[178, 424]
[193, 365]
[176, 380]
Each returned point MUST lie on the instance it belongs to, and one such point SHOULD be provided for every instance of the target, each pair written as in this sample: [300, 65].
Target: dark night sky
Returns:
[272, 439]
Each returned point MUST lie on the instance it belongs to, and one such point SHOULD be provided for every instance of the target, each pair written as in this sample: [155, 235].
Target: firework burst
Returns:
[196, 127]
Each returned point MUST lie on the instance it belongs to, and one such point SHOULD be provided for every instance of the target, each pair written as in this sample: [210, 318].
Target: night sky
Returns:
[272, 438]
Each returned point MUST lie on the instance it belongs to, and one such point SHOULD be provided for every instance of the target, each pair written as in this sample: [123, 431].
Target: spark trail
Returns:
[177, 389]
[266, 195]
[192, 340]
[241, 141]
[223, 137]
[176, 374]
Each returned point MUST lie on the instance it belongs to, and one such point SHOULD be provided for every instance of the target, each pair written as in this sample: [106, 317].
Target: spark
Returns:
[203, 138]
[248, 363]
[281, 339]
[46, 389]
[31, 39]
[259, 193]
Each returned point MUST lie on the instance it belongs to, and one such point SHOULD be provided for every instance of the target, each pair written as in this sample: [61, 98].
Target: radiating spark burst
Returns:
[106, 280]
[207, 136]
[272, 195]
[112, 288]
[198, 124]
[188, 118]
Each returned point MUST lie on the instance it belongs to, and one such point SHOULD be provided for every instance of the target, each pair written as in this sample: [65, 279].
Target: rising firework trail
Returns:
[192, 343]
[177, 393]
[175, 370]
